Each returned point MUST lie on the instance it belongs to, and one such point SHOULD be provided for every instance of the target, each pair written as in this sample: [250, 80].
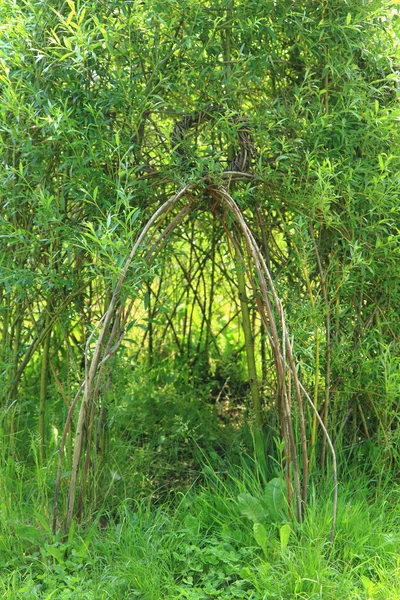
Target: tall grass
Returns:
[204, 545]
[190, 508]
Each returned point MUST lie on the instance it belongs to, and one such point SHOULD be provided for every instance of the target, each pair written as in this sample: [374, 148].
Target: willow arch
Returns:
[110, 334]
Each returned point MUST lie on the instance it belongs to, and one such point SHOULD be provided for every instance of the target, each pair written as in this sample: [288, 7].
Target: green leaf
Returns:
[368, 584]
[284, 535]
[192, 525]
[44, 523]
[29, 533]
[71, 533]
[275, 502]
[260, 534]
[251, 508]
[55, 553]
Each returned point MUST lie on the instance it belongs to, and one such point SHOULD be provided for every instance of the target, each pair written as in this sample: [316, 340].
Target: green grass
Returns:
[204, 545]
[186, 512]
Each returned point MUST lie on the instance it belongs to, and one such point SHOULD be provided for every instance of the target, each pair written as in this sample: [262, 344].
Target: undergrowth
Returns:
[186, 512]
[218, 540]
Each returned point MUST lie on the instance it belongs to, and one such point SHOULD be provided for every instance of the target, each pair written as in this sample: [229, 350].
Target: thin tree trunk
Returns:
[186, 342]
[44, 376]
[149, 327]
[328, 345]
[249, 341]
[211, 298]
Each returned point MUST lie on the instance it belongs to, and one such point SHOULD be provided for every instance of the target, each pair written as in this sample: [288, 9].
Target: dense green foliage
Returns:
[107, 110]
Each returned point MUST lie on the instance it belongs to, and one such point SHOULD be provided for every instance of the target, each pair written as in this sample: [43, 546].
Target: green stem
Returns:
[43, 388]
[249, 341]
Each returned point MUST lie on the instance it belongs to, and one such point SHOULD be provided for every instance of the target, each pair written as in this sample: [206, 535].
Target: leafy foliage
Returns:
[92, 97]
